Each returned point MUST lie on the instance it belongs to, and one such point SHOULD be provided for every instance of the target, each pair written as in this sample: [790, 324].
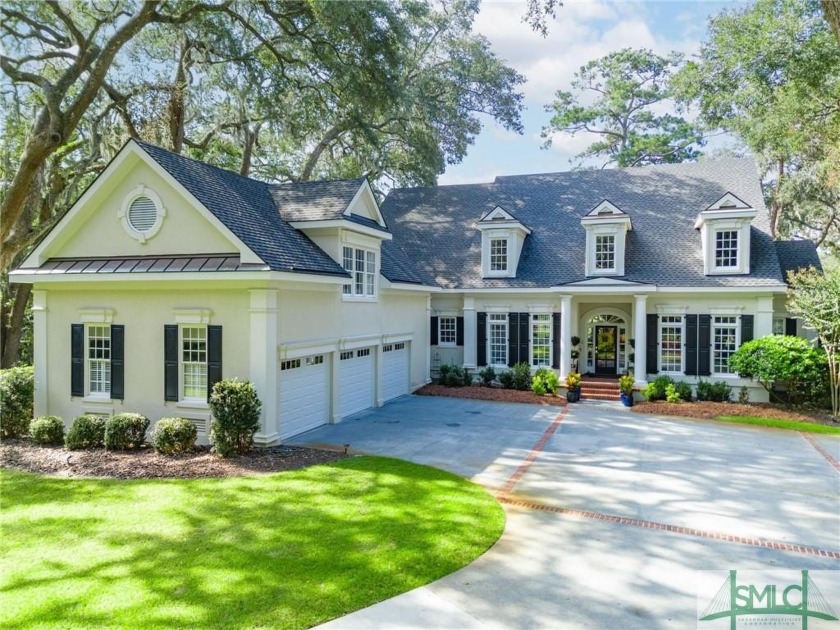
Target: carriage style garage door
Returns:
[356, 381]
[394, 370]
[304, 394]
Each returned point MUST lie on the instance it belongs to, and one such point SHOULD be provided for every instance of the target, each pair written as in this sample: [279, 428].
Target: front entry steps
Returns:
[599, 388]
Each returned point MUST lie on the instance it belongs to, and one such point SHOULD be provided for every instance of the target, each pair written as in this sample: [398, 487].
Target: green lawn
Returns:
[283, 551]
[805, 427]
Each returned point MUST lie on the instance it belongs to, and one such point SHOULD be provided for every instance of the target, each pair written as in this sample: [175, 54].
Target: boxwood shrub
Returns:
[174, 435]
[17, 395]
[86, 432]
[236, 416]
[125, 430]
[47, 430]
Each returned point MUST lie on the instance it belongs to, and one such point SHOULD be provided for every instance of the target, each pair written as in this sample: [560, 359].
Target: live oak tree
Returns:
[770, 74]
[616, 99]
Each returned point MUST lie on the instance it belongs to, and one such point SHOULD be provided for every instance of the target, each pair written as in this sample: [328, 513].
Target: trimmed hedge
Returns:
[174, 435]
[236, 416]
[17, 396]
[47, 430]
[86, 432]
[125, 430]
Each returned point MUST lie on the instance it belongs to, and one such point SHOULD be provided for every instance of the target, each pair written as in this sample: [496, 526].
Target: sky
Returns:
[582, 30]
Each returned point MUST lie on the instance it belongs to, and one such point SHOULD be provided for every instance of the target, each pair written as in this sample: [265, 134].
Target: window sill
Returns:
[192, 404]
[98, 400]
[447, 345]
[359, 298]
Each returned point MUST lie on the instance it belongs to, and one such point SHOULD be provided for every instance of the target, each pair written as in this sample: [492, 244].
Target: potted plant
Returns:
[573, 387]
[575, 352]
[625, 388]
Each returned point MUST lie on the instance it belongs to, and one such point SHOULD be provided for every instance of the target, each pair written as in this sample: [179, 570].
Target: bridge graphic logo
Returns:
[771, 601]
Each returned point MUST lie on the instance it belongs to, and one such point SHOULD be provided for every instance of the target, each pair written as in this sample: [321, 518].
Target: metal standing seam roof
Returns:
[150, 264]
[436, 227]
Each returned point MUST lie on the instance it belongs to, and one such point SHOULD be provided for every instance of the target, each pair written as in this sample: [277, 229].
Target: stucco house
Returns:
[169, 274]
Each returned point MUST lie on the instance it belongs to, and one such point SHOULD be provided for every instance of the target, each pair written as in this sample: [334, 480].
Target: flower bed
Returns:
[498, 394]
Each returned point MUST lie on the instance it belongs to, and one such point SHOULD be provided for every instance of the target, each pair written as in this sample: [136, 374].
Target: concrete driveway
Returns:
[614, 519]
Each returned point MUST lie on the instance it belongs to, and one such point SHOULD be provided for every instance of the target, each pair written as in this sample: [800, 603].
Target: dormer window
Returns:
[498, 254]
[502, 237]
[606, 227]
[361, 263]
[725, 236]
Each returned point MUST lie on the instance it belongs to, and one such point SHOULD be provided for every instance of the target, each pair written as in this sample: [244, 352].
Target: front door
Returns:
[606, 350]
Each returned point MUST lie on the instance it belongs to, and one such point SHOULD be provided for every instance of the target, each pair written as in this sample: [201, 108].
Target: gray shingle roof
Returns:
[315, 201]
[795, 255]
[436, 227]
[245, 206]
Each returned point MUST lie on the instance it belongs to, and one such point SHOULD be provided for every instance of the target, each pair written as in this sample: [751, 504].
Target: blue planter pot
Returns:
[626, 399]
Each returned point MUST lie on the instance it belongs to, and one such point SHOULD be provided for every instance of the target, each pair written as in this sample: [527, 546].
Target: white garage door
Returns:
[304, 394]
[356, 381]
[394, 370]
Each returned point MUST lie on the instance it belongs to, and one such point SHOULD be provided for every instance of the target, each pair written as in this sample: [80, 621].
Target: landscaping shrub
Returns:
[86, 432]
[791, 363]
[488, 375]
[17, 395]
[47, 430]
[174, 435]
[655, 390]
[521, 376]
[236, 416]
[545, 381]
[719, 391]
[506, 379]
[671, 393]
[452, 375]
[125, 430]
[684, 390]
[744, 395]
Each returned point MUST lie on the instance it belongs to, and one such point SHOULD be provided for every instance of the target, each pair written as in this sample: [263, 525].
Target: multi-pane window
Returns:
[497, 338]
[724, 342]
[605, 251]
[671, 343]
[540, 340]
[498, 254]
[361, 264]
[446, 331]
[778, 325]
[726, 248]
[99, 359]
[194, 362]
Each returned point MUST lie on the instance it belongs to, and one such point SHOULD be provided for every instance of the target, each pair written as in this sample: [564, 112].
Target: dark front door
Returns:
[606, 350]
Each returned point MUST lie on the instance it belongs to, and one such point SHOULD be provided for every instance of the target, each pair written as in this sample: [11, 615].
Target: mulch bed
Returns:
[148, 464]
[474, 392]
[711, 410]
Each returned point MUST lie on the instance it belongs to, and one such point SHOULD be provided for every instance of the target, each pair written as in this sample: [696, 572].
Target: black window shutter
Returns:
[790, 326]
[652, 343]
[524, 338]
[747, 326]
[555, 359]
[170, 362]
[481, 339]
[513, 338]
[691, 345]
[77, 359]
[118, 362]
[459, 331]
[704, 345]
[214, 357]
[433, 337]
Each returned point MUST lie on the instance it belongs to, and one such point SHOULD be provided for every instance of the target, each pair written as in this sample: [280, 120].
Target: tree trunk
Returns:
[12, 322]
[177, 98]
[831, 8]
[309, 167]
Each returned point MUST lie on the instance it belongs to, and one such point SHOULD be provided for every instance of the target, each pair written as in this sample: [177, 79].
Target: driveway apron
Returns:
[611, 515]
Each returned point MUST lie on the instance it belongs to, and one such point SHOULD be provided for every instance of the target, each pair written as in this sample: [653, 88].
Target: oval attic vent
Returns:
[142, 214]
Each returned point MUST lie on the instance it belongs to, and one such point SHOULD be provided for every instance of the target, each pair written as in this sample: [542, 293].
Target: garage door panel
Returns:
[356, 381]
[395, 370]
[304, 394]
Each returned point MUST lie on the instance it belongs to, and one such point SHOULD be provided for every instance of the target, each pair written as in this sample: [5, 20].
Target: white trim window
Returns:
[604, 252]
[498, 254]
[497, 338]
[726, 249]
[447, 333]
[99, 360]
[671, 335]
[778, 325]
[361, 263]
[541, 339]
[725, 338]
[193, 363]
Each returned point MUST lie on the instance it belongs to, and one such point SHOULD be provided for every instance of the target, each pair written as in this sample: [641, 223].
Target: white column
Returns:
[39, 352]
[640, 335]
[428, 339]
[470, 358]
[763, 317]
[264, 362]
[565, 335]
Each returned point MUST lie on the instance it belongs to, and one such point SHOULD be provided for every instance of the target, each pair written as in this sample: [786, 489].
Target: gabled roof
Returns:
[794, 255]
[315, 201]
[434, 225]
[246, 207]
